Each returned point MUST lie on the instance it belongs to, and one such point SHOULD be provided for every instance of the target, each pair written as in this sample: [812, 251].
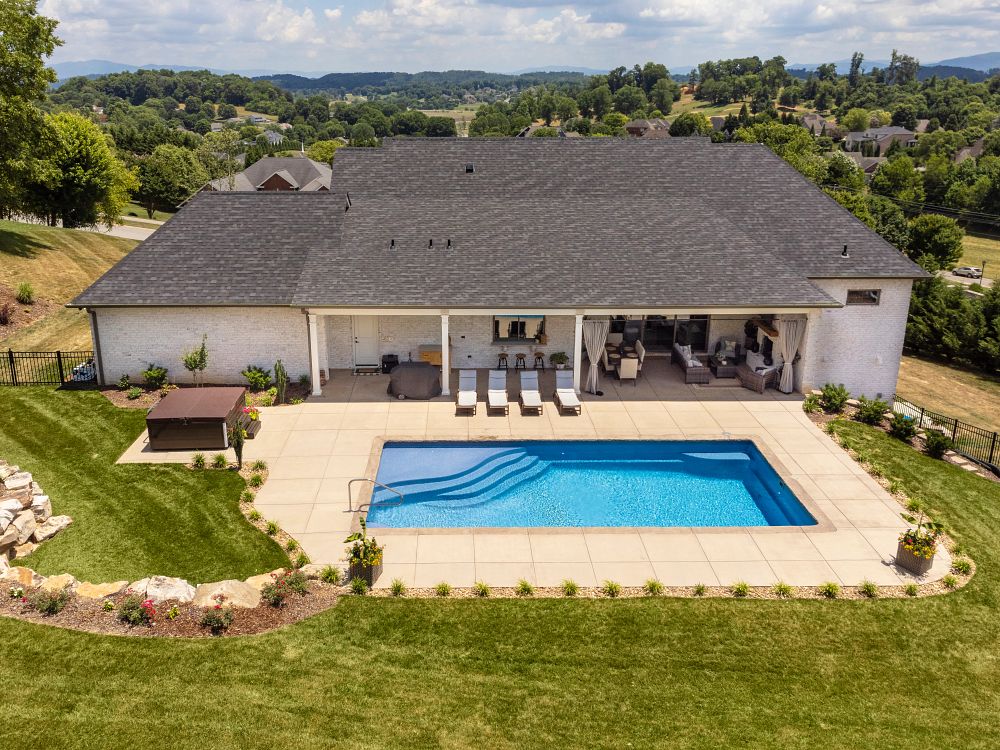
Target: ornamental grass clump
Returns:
[570, 588]
[950, 581]
[653, 587]
[396, 588]
[198, 460]
[443, 589]
[699, 589]
[782, 590]
[481, 590]
[524, 588]
[25, 293]
[219, 461]
[740, 589]
[271, 528]
[829, 590]
[911, 589]
[330, 575]
[961, 565]
[246, 496]
[259, 465]
[611, 589]
[255, 481]
[359, 586]
[868, 589]
[254, 515]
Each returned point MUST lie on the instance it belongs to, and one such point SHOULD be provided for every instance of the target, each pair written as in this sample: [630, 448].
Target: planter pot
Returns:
[369, 573]
[913, 563]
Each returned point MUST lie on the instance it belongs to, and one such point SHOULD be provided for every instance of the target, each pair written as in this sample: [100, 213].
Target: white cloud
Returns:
[511, 34]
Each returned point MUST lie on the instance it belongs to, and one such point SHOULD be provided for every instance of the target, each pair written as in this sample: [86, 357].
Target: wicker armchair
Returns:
[757, 381]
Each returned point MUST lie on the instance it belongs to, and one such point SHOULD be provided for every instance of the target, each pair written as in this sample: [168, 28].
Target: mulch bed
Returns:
[151, 397]
[89, 615]
[22, 316]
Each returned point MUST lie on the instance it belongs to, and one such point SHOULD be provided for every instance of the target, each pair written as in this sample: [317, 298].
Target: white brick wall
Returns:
[857, 345]
[471, 339]
[132, 338]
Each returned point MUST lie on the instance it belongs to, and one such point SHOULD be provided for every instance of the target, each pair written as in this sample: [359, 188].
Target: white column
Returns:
[317, 389]
[445, 357]
[577, 352]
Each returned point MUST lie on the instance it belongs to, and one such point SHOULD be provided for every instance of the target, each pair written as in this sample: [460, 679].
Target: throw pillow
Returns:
[755, 361]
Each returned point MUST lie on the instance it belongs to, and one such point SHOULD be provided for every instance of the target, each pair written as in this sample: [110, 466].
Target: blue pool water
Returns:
[581, 483]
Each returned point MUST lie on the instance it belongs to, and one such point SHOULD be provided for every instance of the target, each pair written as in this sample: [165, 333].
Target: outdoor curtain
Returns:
[790, 334]
[595, 334]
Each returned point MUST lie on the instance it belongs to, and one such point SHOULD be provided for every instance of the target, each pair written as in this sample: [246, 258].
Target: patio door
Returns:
[366, 340]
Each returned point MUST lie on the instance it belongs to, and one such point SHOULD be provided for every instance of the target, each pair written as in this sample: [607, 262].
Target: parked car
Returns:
[970, 271]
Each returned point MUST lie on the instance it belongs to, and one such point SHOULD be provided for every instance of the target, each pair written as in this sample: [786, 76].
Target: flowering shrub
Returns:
[49, 602]
[251, 412]
[218, 617]
[921, 541]
[277, 592]
[134, 610]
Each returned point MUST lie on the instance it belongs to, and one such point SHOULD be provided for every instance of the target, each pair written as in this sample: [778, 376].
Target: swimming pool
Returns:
[581, 483]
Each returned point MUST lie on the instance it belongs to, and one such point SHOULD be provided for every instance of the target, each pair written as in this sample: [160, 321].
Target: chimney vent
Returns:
[844, 253]
[470, 168]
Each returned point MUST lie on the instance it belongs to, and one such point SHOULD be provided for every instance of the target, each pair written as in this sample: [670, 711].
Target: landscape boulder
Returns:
[51, 527]
[23, 577]
[8, 537]
[59, 583]
[259, 582]
[163, 588]
[6, 470]
[23, 550]
[25, 524]
[235, 593]
[19, 481]
[89, 590]
[41, 506]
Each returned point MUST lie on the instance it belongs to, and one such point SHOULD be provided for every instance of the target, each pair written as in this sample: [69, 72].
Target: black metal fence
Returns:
[46, 368]
[977, 443]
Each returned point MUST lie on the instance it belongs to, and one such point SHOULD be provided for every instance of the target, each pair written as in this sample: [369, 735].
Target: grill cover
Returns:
[418, 380]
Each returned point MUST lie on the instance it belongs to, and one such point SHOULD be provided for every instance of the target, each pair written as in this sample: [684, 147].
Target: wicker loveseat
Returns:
[692, 373]
[757, 381]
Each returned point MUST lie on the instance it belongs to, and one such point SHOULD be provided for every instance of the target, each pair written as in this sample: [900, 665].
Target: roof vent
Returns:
[430, 244]
[392, 244]
[844, 253]
[449, 245]
[347, 205]
[470, 168]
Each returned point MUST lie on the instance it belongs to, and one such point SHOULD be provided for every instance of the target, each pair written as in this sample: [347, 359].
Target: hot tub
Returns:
[195, 418]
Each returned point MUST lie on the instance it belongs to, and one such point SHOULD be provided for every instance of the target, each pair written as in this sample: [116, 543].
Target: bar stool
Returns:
[502, 361]
[519, 361]
[539, 361]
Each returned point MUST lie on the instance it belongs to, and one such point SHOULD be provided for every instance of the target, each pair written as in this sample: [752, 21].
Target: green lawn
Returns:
[980, 247]
[59, 264]
[129, 521]
[134, 209]
[508, 674]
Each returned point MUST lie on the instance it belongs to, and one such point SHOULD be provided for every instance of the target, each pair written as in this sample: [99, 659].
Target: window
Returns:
[693, 332]
[510, 328]
[863, 296]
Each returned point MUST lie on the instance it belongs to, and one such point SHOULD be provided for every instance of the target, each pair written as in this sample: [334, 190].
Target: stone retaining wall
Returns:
[26, 517]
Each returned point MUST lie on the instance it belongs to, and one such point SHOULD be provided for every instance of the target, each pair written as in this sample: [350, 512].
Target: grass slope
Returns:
[971, 396]
[558, 673]
[980, 247]
[59, 264]
[129, 521]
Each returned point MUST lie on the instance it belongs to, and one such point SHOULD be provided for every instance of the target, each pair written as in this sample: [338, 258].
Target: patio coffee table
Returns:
[720, 370]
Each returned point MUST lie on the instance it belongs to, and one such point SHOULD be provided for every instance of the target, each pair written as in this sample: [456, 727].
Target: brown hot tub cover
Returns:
[195, 418]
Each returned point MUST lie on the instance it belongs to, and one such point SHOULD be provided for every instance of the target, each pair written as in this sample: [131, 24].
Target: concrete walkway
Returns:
[315, 448]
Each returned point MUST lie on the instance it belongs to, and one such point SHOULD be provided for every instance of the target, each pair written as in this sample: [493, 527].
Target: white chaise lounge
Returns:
[565, 395]
[467, 396]
[531, 397]
[496, 395]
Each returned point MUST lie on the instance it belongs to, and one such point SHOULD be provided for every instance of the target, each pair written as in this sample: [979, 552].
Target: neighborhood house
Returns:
[466, 253]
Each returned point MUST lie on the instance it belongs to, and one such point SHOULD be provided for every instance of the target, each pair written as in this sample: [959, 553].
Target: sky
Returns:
[506, 35]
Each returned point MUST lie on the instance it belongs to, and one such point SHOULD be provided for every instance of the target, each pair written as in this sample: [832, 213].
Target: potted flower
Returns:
[917, 546]
[251, 421]
[365, 556]
[559, 360]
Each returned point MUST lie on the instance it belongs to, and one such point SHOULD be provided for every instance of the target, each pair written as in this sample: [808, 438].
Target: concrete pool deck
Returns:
[314, 449]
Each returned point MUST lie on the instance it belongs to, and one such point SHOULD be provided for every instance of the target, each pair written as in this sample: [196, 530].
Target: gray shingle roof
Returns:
[311, 175]
[540, 222]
